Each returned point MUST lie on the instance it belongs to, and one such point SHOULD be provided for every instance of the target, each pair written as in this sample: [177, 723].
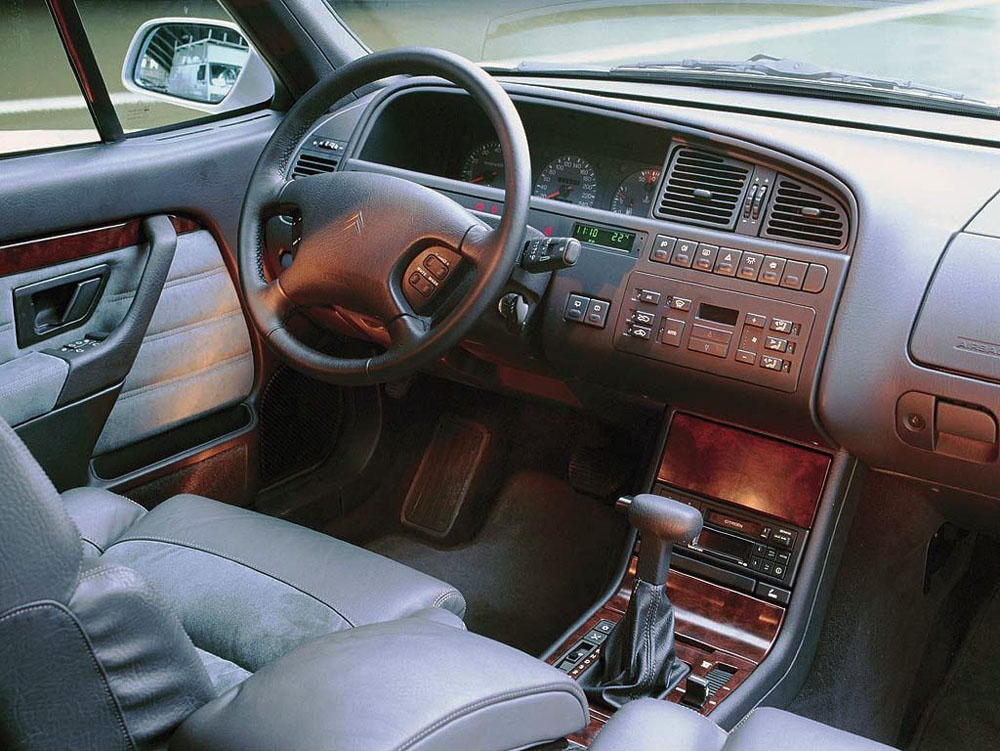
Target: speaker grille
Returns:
[300, 421]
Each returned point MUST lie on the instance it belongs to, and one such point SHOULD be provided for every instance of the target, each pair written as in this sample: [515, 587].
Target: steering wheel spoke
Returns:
[480, 245]
[408, 330]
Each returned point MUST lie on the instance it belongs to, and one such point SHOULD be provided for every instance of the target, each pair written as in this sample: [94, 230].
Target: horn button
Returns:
[358, 229]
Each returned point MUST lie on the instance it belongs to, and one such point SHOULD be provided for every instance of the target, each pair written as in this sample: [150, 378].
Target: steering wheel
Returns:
[364, 235]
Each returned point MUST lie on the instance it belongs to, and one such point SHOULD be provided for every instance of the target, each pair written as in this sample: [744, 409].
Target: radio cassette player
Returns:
[763, 555]
[728, 333]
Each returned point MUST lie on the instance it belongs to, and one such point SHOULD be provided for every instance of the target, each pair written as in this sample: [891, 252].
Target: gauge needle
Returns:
[478, 179]
[553, 194]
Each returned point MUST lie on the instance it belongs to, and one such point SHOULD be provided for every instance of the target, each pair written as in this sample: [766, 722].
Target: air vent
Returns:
[704, 188]
[311, 163]
[802, 214]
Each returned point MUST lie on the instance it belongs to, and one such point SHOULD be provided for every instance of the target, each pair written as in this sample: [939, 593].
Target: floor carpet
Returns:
[964, 715]
[541, 557]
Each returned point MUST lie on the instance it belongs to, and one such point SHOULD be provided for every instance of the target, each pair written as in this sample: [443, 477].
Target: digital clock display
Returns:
[615, 239]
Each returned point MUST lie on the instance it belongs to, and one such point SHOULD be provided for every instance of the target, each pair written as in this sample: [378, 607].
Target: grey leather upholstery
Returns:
[195, 357]
[264, 586]
[89, 656]
[410, 684]
[656, 725]
[30, 386]
[100, 516]
[96, 653]
[651, 725]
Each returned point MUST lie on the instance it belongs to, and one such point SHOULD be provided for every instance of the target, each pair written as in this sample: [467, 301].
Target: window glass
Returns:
[111, 24]
[947, 51]
[40, 101]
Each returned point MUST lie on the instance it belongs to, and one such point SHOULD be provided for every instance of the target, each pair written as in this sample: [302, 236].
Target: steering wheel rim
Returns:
[362, 214]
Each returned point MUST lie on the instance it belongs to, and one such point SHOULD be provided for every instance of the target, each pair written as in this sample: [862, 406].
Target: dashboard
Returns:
[578, 158]
[759, 270]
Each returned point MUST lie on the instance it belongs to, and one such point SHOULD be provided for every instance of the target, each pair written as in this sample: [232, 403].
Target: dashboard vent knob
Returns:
[803, 214]
[704, 188]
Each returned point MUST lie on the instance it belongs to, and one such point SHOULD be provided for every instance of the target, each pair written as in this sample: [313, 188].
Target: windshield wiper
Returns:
[778, 72]
[783, 67]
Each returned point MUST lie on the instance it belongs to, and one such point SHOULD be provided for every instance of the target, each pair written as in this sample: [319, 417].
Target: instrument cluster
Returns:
[621, 186]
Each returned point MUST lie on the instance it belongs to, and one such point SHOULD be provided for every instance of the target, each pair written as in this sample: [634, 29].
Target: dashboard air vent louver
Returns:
[800, 213]
[703, 187]
[312, 163]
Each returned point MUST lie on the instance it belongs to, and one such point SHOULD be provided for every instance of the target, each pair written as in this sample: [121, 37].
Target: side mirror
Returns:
[199, 63]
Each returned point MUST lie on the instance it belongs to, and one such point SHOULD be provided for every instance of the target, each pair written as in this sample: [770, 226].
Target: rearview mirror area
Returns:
[198, 63]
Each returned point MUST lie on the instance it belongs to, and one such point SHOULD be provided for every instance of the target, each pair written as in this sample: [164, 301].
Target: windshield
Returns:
[944, 49]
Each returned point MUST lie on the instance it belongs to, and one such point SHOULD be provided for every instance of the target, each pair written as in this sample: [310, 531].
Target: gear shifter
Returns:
[638, 659]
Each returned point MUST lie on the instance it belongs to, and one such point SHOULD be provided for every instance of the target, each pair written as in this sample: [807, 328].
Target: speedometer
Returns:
[568, 178]
[635, 194]
[484, 165]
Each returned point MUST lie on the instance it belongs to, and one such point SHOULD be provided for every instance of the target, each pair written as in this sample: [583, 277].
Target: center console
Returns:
[732, 584]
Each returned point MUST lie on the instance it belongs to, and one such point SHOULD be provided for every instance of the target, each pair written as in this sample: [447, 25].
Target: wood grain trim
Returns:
[747, 469]
[38, 253]
[715, 626]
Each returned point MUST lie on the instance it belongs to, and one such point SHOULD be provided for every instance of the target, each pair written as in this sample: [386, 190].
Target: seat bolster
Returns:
[101, 516]
[656, 725]
[150, 664]
[768, 729]
[361, 586]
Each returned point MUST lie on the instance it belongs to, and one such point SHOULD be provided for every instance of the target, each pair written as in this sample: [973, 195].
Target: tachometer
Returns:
[635, 194]
[484, 165]
[568, 178]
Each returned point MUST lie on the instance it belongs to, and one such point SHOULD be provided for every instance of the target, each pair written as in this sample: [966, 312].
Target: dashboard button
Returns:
[640, 332]
[815, 278]
[746, 357]
[715, 349]
[794, 275]
[684, 253]
[774, 594]
[776, 344]
[597, 313]
[576, 307]
[436, 266]
[770, 270]
[663, 246]
[772, 363]
[728, 261]
[749, 266]
[755, 319]
[643, 318]
[421, 284]
[680, 303]
[712, 335]
[673, 329]
[781, 326]
[648, 295]
[704, 257]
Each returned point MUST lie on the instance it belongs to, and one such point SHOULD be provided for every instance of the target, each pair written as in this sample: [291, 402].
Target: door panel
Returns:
[196, 356]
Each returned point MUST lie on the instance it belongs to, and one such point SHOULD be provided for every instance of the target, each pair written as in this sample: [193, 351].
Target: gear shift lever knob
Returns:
[662, 522]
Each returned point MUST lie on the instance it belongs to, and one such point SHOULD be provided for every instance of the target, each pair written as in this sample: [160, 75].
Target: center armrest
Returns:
[415, 683]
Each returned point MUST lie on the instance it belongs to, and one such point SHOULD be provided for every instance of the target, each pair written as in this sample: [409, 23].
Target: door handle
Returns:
[45, 308]
[95, 368]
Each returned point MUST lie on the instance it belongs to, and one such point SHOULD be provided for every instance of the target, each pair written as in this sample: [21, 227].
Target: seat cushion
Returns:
[249, 588]
[653, 725]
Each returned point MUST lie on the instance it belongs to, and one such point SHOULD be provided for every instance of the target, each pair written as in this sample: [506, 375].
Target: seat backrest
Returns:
[90, 657]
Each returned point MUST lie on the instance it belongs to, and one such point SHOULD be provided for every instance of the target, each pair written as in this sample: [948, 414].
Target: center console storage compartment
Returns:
[420, 683]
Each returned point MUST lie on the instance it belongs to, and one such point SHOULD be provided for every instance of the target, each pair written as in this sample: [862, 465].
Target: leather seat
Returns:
[656, 725]
[117, 623]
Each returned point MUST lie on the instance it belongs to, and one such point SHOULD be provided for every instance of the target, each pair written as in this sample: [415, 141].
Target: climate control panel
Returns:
[733, 334]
